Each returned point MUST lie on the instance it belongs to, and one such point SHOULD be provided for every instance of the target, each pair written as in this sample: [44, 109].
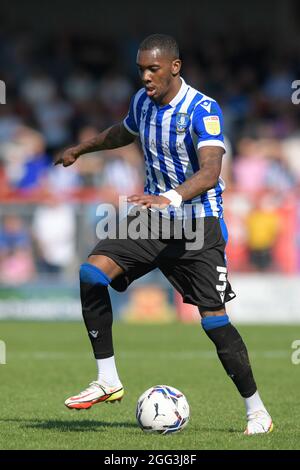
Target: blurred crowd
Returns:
[65, 89]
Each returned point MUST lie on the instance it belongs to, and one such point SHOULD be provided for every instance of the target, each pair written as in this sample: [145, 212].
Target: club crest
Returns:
[182, 121]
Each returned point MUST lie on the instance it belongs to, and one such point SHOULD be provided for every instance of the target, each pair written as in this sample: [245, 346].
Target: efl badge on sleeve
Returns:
[212, 125]
[182, 121]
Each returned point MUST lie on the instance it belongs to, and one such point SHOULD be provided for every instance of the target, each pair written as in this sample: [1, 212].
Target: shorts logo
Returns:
[223, 279]
[182, 121]
[212, 125]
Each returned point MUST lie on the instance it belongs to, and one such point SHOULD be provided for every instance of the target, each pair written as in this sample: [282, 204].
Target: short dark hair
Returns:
[164, 42]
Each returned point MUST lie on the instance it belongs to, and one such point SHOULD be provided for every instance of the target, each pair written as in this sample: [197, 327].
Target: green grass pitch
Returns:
[47, 362]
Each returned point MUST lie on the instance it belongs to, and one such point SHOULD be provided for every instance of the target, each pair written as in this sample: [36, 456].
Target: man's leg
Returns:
[95, 276]
[233, 355]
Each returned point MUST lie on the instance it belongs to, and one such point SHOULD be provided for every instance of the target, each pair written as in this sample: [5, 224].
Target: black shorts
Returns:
[199, 275]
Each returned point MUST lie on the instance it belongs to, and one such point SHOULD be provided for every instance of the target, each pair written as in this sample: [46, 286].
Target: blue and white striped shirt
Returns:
[170, 136]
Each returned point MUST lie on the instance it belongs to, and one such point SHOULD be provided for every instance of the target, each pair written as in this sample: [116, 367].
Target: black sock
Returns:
[234, 357]
[96, 311]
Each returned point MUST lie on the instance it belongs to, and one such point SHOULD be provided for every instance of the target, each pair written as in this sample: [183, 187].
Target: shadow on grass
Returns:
[202, 429]
[99, 426]
[69, 426]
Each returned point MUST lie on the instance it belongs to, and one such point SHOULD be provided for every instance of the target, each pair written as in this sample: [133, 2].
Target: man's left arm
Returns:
[210, 161]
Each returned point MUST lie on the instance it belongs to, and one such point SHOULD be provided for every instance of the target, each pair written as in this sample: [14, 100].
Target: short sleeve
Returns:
[130, 120]
[207, 124]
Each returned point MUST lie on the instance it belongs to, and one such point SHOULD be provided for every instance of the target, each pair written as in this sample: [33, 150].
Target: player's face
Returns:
[158, 73]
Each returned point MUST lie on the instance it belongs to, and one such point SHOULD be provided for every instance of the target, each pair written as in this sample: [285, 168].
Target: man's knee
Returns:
[105, 264]
[205, 312]
[91, 275]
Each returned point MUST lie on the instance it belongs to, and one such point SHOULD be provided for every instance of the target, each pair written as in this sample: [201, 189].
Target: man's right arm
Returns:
[113, 137]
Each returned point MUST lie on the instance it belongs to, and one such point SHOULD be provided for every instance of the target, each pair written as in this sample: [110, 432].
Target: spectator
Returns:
[250, 167]
[35, 160]
[54, 117]
[54, 229]
[13, 234]
[16, 259]
[114, 92]
[262, 223]
[80, 87]
[37, 89]
[9, 123]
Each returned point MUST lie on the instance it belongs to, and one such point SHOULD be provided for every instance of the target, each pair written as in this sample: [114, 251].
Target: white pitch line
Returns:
[193, 354]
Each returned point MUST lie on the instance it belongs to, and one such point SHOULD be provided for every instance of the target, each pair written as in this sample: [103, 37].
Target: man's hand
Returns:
[112, 138]
[68, 157]
[147, 201]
